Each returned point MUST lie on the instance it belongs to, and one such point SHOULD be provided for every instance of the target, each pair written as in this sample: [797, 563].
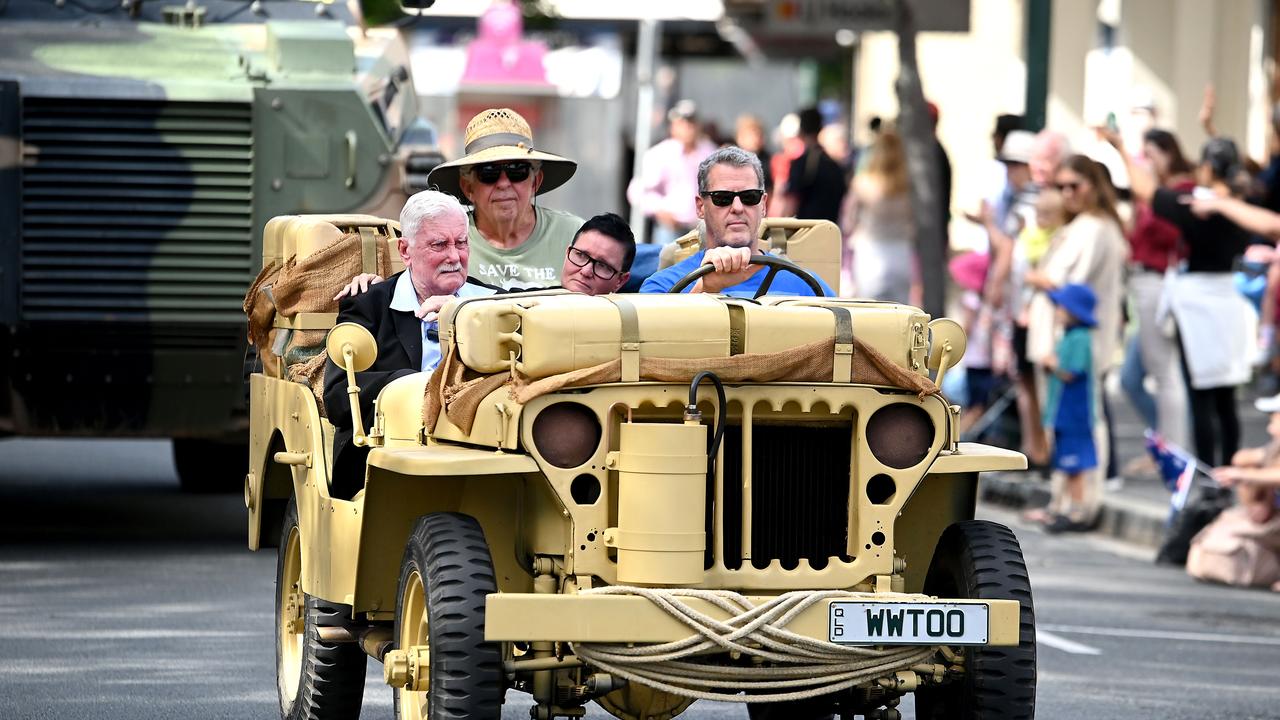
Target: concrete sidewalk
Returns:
[1136, 509]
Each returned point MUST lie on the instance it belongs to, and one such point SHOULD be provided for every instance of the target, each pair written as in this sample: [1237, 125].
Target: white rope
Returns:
[801, 667]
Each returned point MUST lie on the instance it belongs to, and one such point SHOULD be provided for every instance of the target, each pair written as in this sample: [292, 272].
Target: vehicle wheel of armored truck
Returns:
[981, 559]
[449, 670]
[317, 680]
[209, 466]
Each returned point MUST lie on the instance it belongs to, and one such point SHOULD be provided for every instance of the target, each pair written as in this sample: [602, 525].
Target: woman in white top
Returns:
[878, 226]
[1090, 250]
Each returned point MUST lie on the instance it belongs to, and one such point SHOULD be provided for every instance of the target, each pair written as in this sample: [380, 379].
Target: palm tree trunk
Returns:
[922, 164]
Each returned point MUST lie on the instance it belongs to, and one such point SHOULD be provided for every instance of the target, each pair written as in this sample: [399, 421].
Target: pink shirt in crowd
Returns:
[669, 180]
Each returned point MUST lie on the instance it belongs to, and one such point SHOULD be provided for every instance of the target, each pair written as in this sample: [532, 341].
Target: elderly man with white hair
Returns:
[400, 313]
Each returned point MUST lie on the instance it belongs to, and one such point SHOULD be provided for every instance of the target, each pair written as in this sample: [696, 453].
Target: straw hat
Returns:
[500, 135]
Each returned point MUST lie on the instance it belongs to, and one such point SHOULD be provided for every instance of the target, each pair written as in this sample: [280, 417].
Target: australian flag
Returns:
[1176, 466]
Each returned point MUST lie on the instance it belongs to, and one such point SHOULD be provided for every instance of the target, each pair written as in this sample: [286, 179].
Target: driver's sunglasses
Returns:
[724, 198]
[602, 269]
[518, 171]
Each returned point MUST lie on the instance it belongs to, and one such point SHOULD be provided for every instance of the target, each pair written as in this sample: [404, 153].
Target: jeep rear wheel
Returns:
[444, 579]
[982, 560]
[316, 680]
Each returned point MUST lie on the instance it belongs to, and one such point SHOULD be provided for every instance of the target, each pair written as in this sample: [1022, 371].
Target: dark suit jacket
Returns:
[399, 338]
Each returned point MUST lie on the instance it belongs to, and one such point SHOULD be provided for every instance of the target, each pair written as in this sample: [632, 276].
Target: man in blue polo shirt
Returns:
[731, 201]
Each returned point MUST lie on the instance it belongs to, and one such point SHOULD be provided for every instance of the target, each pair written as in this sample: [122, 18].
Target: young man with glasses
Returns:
[599, 258]
[514, 243]
[731, 201]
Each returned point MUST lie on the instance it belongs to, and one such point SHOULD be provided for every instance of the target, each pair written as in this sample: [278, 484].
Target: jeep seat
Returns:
[306, 260]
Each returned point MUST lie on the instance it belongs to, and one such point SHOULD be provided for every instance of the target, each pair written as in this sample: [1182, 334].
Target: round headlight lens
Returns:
[566, 434]
[899, 435]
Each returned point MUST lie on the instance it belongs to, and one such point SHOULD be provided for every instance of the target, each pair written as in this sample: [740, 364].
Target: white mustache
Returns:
[449, 267]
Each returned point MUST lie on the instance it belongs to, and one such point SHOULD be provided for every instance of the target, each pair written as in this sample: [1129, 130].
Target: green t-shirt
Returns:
[536, 262]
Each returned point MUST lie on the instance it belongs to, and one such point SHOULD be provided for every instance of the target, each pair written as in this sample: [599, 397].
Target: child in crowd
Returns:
[1070, 410]
[1049, 217]
[1242, 546]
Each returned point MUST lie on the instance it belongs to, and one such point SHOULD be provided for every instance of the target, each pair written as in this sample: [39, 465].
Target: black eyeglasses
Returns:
[1065, 186]
[724, 198]
[518, 171]
[602, 269]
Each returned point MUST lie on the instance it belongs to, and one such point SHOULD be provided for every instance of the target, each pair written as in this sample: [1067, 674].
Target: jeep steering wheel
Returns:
[775, 264]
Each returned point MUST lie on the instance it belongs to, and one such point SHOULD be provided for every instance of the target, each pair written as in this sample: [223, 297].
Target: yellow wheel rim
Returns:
[413, 631]
[290, 620]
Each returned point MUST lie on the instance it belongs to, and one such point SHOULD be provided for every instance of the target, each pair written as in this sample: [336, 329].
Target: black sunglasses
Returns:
[602, 269]
[516, 172]
[1065, 186]
[724, 198]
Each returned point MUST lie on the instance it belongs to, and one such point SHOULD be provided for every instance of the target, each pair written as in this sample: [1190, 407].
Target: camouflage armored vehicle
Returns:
[642, 501]
[143, 146]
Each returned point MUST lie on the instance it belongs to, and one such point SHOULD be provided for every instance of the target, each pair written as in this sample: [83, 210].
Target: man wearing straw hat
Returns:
[514, 243]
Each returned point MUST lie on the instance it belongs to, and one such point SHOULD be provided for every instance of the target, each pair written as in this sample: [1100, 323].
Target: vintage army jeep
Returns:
[644, 500]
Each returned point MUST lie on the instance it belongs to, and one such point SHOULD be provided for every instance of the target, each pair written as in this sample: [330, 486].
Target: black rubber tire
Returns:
[210, 466]
[331, 681]
[982, 560]
[448, 552]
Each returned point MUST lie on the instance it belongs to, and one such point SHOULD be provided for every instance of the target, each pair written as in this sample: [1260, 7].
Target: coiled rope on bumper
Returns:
[801, 668]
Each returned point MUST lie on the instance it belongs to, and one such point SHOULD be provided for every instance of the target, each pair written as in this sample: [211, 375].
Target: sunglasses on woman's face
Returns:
[1071, 187]
[518, 171]
[724, 198]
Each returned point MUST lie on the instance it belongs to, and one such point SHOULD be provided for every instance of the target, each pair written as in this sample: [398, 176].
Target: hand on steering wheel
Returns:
[775, 264]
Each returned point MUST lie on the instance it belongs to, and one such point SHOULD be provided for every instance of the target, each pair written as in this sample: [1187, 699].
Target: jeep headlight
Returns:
[566, 434]
[900, 435]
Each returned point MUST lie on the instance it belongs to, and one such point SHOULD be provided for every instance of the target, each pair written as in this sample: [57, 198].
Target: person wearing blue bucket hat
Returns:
[1078, 300]
[1070, 409]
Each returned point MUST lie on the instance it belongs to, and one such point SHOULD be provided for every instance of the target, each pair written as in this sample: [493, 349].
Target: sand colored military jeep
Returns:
[642, 501]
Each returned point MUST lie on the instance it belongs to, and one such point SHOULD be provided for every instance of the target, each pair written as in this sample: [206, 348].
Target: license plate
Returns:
[906, 623]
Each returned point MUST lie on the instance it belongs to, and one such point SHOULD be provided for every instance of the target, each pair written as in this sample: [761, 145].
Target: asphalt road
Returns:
[121, 598]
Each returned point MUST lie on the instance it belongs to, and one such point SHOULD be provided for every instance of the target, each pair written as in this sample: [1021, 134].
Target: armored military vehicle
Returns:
[641, 501]
[143, 146]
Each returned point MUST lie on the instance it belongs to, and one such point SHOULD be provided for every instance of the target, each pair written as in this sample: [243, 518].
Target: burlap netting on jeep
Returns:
[300, 285]
[457, 388]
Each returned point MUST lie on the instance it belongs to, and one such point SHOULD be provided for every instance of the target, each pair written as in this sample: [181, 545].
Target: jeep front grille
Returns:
[135, 210]
[800, 477]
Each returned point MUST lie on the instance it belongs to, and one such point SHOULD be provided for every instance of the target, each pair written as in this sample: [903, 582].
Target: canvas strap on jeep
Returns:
[630, 338]
[842, 364]
[369, 250]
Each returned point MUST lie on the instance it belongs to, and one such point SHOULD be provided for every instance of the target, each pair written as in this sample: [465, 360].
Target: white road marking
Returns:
[1057, 642]
[1161, 634]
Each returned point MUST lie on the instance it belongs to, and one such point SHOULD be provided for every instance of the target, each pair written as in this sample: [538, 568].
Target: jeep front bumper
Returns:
[591, 618]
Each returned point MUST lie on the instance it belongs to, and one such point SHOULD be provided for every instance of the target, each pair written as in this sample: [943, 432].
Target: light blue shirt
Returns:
[405, 299]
